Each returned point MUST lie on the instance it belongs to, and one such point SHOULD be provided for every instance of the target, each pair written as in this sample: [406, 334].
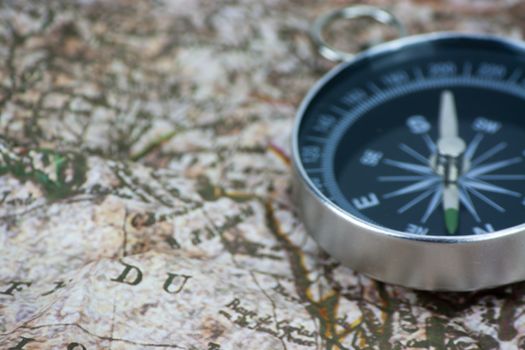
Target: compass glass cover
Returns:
[427, 138]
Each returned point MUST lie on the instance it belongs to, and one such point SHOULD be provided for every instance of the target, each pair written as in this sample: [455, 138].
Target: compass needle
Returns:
[414, 156]
[449, 159]
[448, 119]
[451, 207]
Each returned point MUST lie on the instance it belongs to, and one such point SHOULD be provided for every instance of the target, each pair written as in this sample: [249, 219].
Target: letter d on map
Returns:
[131, 275]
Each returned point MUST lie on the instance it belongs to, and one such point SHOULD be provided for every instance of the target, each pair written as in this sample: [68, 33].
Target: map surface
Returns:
[145, 185]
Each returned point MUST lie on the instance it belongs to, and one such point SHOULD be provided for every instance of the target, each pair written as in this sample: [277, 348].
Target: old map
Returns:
[145, 185]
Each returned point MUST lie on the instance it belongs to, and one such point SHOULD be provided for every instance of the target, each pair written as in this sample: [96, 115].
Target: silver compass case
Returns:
[460, 262]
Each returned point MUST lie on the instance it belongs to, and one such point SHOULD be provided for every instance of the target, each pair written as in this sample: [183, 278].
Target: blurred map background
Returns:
[145, 184]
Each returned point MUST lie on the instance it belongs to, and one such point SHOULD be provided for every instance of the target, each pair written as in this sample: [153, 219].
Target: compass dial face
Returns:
[426, 139]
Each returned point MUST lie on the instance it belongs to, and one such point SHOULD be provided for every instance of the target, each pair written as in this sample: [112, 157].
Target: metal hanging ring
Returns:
[350, 12]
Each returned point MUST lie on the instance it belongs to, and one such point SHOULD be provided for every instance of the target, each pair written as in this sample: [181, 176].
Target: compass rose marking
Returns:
[315, 138]
[373, 87]
[430, 143]
[418, 186]
[493, 166]
[432, 205]
[515, 76]
[467, 69]
[419, 169]
[314, 170]
[472, 182]
[418, 73]
[467, 202]
[485, 186]
[339, 110]
[412, 152]
[401, 178]
[486, 200]
[502, 177]
[473, 146]
[415, 201]
[487, 155]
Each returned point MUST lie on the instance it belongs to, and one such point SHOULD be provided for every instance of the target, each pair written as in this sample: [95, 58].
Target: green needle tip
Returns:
[452, 220]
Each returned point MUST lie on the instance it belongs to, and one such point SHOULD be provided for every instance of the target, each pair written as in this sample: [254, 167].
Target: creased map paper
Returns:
[145, 198]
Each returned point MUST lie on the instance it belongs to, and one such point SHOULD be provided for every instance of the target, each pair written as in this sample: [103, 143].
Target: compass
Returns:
[410, 160]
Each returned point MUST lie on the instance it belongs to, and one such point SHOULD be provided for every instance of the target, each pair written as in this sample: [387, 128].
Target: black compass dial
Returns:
[428, 139]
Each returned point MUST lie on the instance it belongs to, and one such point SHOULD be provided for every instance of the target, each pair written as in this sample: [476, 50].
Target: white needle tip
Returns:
[448, 120]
